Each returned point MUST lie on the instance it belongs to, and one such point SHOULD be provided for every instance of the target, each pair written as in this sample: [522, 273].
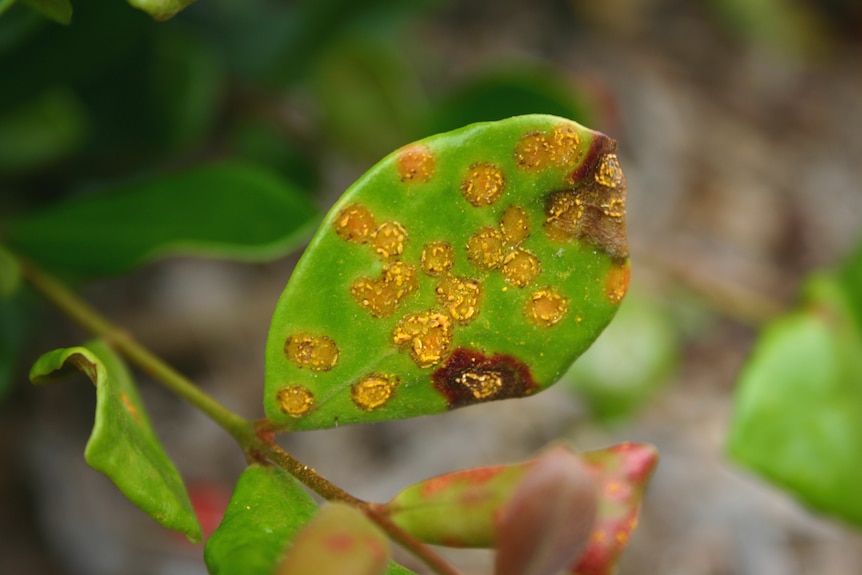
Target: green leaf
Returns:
[340, 540]
[57, 10]
[267, 509]
[5, 5]
[222, 210]
[46, 128]
[10, 274]
[641, 333]
[798, 409]
[468, 267]
[123, 444]
[160, 10]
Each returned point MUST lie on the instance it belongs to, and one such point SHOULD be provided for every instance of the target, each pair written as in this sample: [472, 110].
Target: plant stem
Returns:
[88, 318]
[243, 430]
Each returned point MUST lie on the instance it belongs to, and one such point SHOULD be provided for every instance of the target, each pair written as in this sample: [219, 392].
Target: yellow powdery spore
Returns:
[617, 283]
[485, 249]
[295, 400]
[514, 225]
[437, 258]
[416, 164]
[316, 352]
[609, 172]
[520, 268]
[546, 307]
[373, 391]
[388, 240]
[382, 296]
[559, 148]
[355, 224]
[460, 296]
[427, 335]
[483, 185]
[481, 385]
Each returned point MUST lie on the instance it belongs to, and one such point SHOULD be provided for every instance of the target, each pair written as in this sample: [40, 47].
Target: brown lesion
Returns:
[427, 335]
[469, 377]
[460, 296]
[295, 400]
[483, 184]
[316, 352]
[355, 223]
[373, 391]
[593, 209]
[388, 239]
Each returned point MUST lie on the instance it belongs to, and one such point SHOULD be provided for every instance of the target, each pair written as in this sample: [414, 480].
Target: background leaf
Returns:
[123, 444]
[471, 266]
[798, 409]
[227, 210]
[57, 10]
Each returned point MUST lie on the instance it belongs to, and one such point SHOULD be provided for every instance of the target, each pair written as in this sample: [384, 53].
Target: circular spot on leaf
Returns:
[426, 334]
[437, 258]
[485, 249]
[316, 352]
[483, 185]
[416, 163]
[295, 400]
[373, 391]
[546, 307]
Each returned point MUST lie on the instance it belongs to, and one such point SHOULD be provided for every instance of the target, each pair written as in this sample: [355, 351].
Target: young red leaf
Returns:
[340, 540]
[622, 472]
[547, 522]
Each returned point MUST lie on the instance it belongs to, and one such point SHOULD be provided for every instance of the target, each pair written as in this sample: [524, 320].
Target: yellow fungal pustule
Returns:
[609, 173]
[520, 267]
[514, 225]
[382, 296]
[533, 152]
[563, 214]
[546, 307]
[485, 249]
[563, 144]
[295, 400]
[373, 391]
[437, 258]
[483, 185]
[416, 164]
[617, 282]
[355, 224]
[482, 385]
[316, 352]
[460, 296]
[427, 335]
[388, 240]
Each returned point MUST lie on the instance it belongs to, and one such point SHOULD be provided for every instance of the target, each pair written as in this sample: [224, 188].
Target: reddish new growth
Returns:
[469, 377]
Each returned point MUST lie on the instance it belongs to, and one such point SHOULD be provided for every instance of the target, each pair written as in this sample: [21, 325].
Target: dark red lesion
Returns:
[510, 377]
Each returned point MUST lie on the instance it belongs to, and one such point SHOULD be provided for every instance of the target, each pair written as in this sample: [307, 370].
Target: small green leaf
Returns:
[222, 210]
[123, 444]
[798, 408]
[160, 10]
[57, 10]
[339, 540]
[267, 509]
[5, 5]
[471, 266]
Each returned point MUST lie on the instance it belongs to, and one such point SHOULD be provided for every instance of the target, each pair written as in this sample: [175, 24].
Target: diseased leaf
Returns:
[59, 11]
[267, 509]
[123, 444]
[339, 540]
[468, 267]
[547, 522]
[458, 509]
[798, 409]
[226, 210]
[623, 472]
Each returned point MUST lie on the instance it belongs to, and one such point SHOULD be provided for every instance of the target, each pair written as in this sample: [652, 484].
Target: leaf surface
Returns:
[471, 266]
[223, 210]
[798, 409]
[59, 11]
[123, 444]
